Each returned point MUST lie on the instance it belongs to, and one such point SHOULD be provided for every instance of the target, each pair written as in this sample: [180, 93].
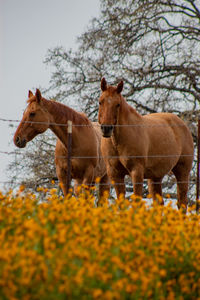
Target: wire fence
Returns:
[70, 157]
[106, 156]
[91, 124]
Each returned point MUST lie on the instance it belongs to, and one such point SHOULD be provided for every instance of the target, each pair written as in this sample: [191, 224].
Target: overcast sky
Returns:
[28, 28]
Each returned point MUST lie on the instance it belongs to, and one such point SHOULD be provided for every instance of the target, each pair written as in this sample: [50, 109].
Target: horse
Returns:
[144, 147]
[86, 159]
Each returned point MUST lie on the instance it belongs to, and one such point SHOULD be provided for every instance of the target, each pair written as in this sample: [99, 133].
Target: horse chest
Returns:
[127, 151]
[119, 158]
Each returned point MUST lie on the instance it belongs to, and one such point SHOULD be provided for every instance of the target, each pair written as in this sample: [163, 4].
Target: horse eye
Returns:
[118, 105]
[99, 103]
[32, 114]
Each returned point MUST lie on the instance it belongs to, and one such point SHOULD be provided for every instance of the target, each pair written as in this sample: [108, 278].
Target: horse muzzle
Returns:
[20, 143]
[107, 130]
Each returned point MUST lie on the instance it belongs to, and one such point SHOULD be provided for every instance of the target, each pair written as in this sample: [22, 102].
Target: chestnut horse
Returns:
[148, 146]
[42, 114]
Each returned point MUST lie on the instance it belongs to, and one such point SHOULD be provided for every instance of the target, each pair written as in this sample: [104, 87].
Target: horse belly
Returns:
[159, 167]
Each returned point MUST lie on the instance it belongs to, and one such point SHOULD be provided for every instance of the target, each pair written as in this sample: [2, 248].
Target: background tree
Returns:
[34, 165]
[154, 46]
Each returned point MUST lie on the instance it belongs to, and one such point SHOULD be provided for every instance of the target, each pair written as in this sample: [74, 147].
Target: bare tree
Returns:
[34, 165]
[153, 45]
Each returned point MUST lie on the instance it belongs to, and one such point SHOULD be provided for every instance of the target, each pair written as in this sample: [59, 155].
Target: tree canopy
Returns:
[153, 46]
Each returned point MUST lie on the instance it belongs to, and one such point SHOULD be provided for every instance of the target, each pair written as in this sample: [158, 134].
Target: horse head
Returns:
[109, 106]
[35, 120]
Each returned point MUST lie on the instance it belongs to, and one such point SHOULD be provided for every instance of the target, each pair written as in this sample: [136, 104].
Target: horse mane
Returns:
[63, 112]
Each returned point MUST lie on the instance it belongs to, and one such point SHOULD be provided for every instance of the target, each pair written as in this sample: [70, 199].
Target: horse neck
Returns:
[127, 116]
[60, 114]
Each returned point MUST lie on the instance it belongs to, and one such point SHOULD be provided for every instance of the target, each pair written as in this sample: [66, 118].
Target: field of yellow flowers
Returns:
[70, 249]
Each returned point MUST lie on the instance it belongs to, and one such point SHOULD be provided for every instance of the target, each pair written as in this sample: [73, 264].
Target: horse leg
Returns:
[137, 176]
[87, 180]
[104, 185]
[182, 189]
[116, 173]
[104, 189]
[62, 176]
[155, 189]
[88, 176]
[119, 186]
[182, 178]
[117, 179]
[61, 166]
[77, 184]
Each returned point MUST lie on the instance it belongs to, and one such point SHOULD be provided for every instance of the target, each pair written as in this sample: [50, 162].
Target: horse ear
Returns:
[120, 87]
[30, 94]
[38, 95]
[103, 84]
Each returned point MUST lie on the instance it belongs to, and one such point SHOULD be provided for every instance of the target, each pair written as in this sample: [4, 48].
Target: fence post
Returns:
[69, 151]
[198, 167]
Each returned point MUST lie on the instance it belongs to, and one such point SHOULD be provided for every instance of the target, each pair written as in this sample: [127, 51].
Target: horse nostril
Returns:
[110, 127]
[107, 130]
[102, 127]
[20, 143]
[17, 140]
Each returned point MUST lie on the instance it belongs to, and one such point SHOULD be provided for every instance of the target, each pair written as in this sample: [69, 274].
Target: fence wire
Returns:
[100, 157]
[92, 124]
[107, 156]
[113, 157]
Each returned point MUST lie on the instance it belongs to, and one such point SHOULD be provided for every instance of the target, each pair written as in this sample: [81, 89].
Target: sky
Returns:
[28, 28]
